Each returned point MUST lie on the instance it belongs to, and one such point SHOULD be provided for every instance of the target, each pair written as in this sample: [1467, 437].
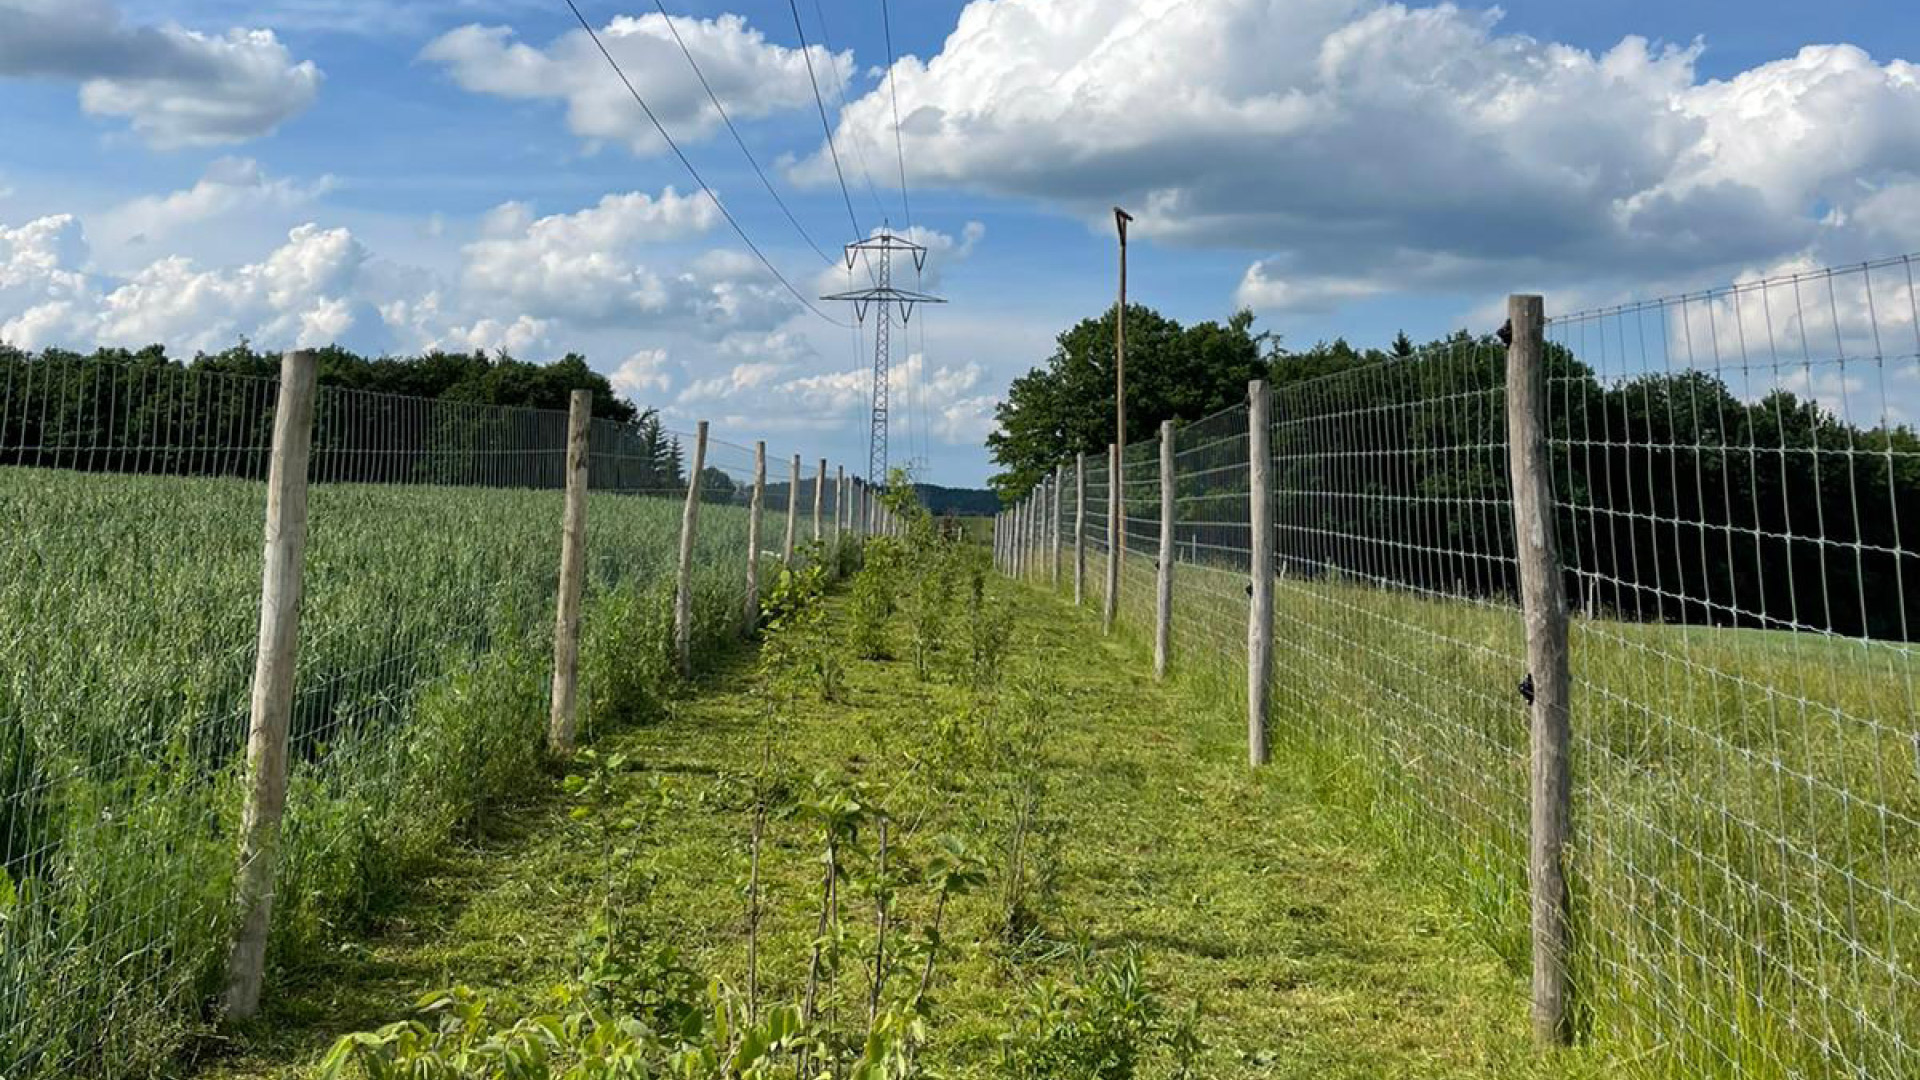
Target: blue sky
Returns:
[463, 173]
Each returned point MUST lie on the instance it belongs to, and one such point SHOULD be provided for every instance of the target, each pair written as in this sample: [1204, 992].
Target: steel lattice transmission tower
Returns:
[885, 301]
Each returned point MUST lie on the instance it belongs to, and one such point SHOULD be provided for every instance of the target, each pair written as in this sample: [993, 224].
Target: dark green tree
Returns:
[1174, 372]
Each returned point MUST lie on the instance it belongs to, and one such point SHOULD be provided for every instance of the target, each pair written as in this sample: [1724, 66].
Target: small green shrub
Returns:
[875, 595]
[1099, 1026]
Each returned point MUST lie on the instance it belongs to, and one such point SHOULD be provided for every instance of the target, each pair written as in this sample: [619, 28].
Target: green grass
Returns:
[1747, 807]
[1241, 890]
[128, 609]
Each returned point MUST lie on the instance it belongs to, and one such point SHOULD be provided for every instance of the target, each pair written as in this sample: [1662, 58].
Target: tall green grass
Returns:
[1747, 806]
[128, 610]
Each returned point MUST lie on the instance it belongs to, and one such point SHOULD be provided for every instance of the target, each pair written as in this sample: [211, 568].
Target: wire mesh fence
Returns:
[130, 571]
[1731, 472]
[1211, 541]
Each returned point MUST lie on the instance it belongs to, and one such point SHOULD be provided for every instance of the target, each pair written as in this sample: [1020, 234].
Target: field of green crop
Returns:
[1747, 806]
[128, 611]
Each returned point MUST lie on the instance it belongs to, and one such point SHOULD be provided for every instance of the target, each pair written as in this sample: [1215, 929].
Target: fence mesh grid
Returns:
[1397, 644]
[131, 501]
[1732, 473]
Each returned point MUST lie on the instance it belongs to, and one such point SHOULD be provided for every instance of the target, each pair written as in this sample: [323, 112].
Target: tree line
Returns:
[1678, 499]
[429, 418]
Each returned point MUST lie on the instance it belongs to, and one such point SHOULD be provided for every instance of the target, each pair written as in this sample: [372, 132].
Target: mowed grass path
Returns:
[1309, 956]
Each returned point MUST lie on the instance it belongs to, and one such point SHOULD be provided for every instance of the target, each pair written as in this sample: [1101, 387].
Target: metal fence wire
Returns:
[1732, 472]
[130, 581]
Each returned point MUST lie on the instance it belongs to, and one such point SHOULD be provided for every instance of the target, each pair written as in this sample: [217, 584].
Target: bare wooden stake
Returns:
[1260, 567]
[1163, 578]
[564, 716]
[1049, 510]
[1116, 539]
[839, 507]
[1012, 540]
[683, 579]
[819, 500]
[1543, 605]
[271, 709]
[1079, 528]
[1059, 489]
[793, 510]
[756, 507]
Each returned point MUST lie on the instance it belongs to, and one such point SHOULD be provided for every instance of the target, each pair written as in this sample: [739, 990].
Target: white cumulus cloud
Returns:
[230, 186]
[584, 264]
[1370, 146]
[174, 86]
[751, 75]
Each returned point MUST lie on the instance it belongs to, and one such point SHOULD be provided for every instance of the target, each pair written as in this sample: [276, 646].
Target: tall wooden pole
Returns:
[564, 715]
[683, 579]
[1116, 492]
[756, 507]
[1543, 604]
[271, 709]
[1260, 567]
[1163, 579]
[1115, 540]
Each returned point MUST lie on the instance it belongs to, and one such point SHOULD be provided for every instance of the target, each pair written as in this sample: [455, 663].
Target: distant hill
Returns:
[938, 500]
[945, 500]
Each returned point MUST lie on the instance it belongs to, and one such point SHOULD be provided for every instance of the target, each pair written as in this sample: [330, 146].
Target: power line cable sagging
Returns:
[893, 91]
[687, 163]
[735, 132]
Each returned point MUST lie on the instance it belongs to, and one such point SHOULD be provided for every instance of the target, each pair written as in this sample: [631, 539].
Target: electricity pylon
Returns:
[885, 300]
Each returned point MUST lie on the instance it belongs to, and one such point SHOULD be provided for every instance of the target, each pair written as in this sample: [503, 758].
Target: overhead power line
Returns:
[691, 171]
[840, 101]
[737, 139]
[832, 151]
[893, 91]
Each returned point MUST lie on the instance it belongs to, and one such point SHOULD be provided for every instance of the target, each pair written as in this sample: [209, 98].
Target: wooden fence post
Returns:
[819, 499]
[1163, 579]
[1036, 506]
[1059, 490]
[683, 579]
[793, 510]
[1036, 503]
[1260, 566]
[1543, 604]
[839, 507]
[573, 571]
[1079, 528]
[755, 508]
[1007, 539]
[1049, 510]
[1110, 607]
[1013, 539]
[1027, 514]
[271, 709]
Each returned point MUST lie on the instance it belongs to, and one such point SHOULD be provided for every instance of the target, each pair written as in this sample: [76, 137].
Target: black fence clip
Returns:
[1526, 688]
